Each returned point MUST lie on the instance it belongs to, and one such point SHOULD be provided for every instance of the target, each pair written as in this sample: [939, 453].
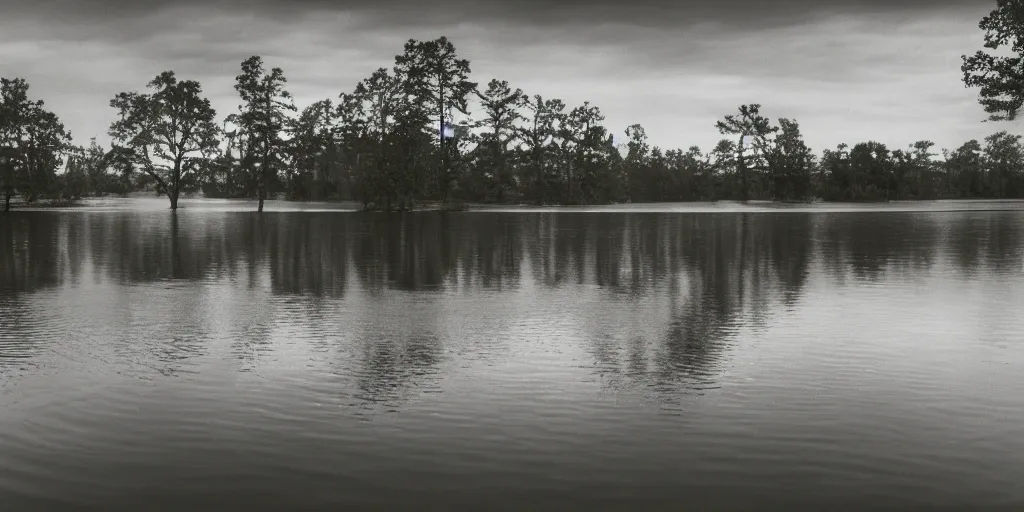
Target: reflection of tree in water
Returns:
[964, 241]
[167, 333]
[37, 252]
[308, 254]
[702, 274]
[552, 258]
[985, 241]
[41, 251]
[869, 245]
[431, 251]
[493, 252]
[13, 239]
[1006, 242]
[311, 253]
[404, 251]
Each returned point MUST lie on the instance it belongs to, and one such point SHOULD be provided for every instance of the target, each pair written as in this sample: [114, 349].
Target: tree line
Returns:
[394, 141]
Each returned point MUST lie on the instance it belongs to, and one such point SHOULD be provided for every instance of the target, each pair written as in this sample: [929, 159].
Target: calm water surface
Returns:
[520, 360]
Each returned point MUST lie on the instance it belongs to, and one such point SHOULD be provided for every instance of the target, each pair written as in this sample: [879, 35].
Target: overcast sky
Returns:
[847, 70]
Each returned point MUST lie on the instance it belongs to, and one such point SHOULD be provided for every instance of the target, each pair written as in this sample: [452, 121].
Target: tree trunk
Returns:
[443, 177]
[263, 176]
[261, 188]
[569, 181]
[172, 194]
[176, 271]
[540, 180]
[743, 173]
[7, 201]
[500, 168]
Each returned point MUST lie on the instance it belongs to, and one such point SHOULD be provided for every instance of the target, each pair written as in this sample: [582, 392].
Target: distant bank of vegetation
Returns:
[392, 143]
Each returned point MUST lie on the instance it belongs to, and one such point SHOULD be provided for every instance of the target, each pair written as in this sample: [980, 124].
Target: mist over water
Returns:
[512, 359]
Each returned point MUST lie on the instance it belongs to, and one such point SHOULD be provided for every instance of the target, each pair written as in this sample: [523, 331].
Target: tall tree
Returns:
[723, 167]
[33, 142]
[836, 181]
[965, 168]
[1004, 159]
[45, 143]
[15, 109]
[539, 138]
[438, 79]
[263, 115]
[912, 172]
[636, 162]
[871, 168]
[749, 124]
[1000, 79]
[369, 117]
[698, 166]
[583, 141]
[501, 107]
[789, 163]
[168, 134]
[316, 153]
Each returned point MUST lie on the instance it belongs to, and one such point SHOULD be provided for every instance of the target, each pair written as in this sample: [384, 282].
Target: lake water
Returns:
[701, 357]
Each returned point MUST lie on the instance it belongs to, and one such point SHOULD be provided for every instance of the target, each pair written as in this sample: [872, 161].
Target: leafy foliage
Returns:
[261, 121]
[1000, 79]
[33, 146]
[169, 134]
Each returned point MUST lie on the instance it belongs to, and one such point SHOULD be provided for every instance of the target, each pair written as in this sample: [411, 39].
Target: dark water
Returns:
[511, 360]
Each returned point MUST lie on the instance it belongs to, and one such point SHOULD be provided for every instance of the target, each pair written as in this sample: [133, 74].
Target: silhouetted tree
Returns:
[965, 169]
[1004, 158]
[500, 104]
[584, 143]
[636, 162]
[540, 143]
[790, 162]
[317, 167]
[435, 78]
[872, 171]
[724, 169]
[15, 109]
[33, 145]
[748, 123]
[168, 134]
[263, 116]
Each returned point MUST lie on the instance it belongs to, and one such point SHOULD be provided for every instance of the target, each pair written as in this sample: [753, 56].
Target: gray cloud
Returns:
[121, 15]
[847, 70]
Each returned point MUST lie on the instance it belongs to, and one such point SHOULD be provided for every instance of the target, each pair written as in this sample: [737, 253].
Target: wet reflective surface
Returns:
[513, 360]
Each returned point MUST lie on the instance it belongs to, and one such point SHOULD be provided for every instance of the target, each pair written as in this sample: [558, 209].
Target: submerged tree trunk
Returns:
[540, 180]
[172, 193]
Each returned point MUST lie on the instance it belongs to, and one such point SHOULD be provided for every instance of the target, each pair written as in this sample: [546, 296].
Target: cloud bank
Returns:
[847, 70]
